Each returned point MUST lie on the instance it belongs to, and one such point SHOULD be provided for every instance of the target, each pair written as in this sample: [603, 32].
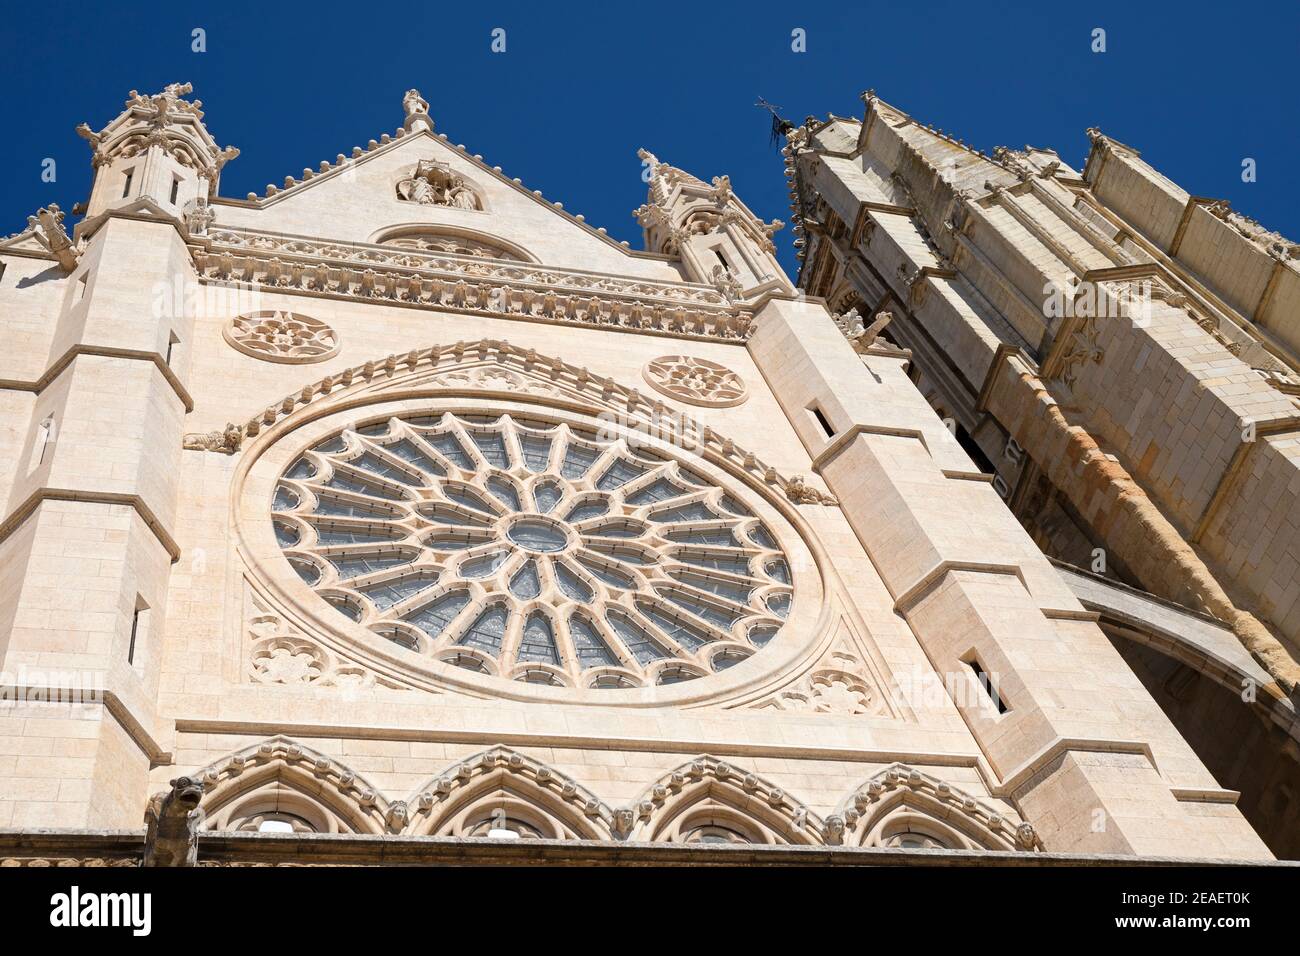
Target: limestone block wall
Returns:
[975, 591]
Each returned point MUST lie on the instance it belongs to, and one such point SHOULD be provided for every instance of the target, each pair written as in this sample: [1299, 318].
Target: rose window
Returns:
[534, 551]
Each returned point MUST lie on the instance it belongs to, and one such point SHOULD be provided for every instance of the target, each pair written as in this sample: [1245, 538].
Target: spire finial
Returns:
[417, 112]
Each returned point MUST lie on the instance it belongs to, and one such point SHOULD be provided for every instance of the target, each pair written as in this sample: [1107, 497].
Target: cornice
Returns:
[446, 282]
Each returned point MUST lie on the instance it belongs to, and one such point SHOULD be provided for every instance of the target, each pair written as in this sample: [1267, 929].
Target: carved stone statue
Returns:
[434, 184]
[417, 112]
[172, 822]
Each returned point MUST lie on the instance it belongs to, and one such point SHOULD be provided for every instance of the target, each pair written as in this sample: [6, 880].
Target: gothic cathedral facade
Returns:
[400, 502]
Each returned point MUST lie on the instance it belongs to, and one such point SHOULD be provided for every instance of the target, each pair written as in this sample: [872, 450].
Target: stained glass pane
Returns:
[449, 447]
[571, 584]
[731, 590]
[615, 579]
[493, 447]
[343, 481]
[285, 499]
[708, 612]
[635, 639]
[488, 630]
[577, 459]
[588, 509]
[590, 647]
[388, 593]
[619, 474]
[326, 534]
[481, 567]
[434, 617]
[326, 505]
[734, 564]
[779, 604]
[537, 451]
[347, 607]
[408, 451]
[306, 570]
[466, 498]
[697, 511]
[616, 529]
[301, 468]
[537, 645]
[735, 507]
[656, 491]
[720, 537]
[373, 463]
[779, 570]
[687, 635]
[351, 566]
[504, 492]
[526, 584]
[547, 496]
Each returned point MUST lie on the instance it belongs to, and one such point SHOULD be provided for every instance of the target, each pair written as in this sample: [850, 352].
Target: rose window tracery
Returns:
[530, 550]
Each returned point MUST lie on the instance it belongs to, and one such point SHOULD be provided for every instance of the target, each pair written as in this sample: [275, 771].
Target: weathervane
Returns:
[779, 126]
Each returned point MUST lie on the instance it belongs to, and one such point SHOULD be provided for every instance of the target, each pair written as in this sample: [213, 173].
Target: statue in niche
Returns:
[435, 184]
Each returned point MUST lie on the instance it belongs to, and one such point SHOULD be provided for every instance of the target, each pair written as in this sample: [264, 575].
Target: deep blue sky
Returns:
[1196, 86]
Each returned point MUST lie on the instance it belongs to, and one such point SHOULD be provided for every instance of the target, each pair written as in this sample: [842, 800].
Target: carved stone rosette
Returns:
[277, 336]
[695, 381]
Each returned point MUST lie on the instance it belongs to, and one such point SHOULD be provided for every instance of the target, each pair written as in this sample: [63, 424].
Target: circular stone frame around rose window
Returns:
[529, 552]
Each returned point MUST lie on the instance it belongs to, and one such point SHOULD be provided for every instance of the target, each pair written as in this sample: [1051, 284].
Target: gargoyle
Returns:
[172, 822]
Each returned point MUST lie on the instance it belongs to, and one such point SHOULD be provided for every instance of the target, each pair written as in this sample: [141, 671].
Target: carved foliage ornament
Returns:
[695, 381]
[278, 336]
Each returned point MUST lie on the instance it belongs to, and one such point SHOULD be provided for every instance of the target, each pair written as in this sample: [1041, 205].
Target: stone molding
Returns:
[514, 369]
[468, 285]
[704, 787]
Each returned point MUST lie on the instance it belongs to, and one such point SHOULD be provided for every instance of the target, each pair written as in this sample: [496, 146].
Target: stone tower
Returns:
[1120, 359]
[399, 501]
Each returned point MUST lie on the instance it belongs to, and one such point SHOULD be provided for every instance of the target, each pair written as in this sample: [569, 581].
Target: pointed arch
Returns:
[431, 237]
[281, 781]
[903, 807]
[709, 800]
[503, 790]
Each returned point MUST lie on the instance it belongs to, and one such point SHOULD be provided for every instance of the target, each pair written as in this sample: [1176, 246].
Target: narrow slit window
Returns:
[176, 188]
[990, 686]
[139, 631]
[44, 438]
[126, 186]
[822, 420]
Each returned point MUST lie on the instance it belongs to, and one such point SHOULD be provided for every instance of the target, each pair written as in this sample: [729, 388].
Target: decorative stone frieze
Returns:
[470, 284]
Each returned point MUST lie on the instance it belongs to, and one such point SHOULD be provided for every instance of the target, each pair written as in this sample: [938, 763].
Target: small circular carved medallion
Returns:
[278, 336]
[695, 380]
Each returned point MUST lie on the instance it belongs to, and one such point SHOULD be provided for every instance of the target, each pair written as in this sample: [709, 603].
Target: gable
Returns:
[358, 201]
